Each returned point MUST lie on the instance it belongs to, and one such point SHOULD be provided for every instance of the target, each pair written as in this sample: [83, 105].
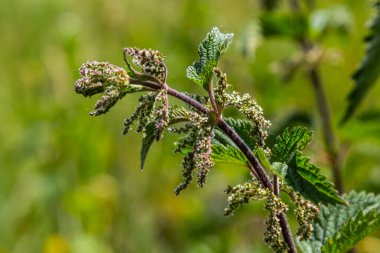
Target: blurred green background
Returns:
[71, 183]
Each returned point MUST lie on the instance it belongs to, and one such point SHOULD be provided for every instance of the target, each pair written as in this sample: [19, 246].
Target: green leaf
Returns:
[305, 179]
[178, 114]
[352, 232]
[149, 136]
[221, 138]
[368, 73]
[279, 169]
[228, 154]
[244, 128]
[338, 228]
[263, 158]
[295, 139]
[210, 50]
[284, 24]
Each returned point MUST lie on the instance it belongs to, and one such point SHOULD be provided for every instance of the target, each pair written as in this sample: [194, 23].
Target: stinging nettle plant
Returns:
[327, 222]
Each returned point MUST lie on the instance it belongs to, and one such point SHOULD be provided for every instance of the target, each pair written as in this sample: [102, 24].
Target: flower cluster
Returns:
[161, 112]
[107, 101]
[220, 90]
[249, 107]
[305, 213]
[195, 146]
[150, 61]
[142, 113]
[99, 77]
[152, 109]
[272, 235]
[242, 193]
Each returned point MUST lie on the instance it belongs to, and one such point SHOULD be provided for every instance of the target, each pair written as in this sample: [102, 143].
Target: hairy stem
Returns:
[263, 178]
[287, 234]
[212, 98]
[276, 185]
[256, 166]
[253, 171]
[323, 108]
[285, 229]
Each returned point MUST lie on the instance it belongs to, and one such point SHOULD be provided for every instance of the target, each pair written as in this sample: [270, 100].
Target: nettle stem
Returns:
[263, 178]
[258, 169]
[330, 139]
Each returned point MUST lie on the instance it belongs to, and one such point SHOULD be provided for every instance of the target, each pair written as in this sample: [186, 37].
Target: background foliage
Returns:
[70, 183]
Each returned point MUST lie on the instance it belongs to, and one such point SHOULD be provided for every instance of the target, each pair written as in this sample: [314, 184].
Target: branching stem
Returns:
[256, 166]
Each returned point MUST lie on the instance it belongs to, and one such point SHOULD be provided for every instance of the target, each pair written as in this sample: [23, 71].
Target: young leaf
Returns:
[178, 114]
[305, 179]
[228, 154]
[337, 228]
[149, 136]
[210, 50]
[289, 142]
[367, 74]
[279, 169]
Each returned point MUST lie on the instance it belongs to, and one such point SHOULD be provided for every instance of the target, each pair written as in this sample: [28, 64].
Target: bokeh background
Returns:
[71, 183]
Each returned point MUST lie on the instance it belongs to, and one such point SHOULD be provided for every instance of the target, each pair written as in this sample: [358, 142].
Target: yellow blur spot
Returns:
[56, 244]
[369, 245]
